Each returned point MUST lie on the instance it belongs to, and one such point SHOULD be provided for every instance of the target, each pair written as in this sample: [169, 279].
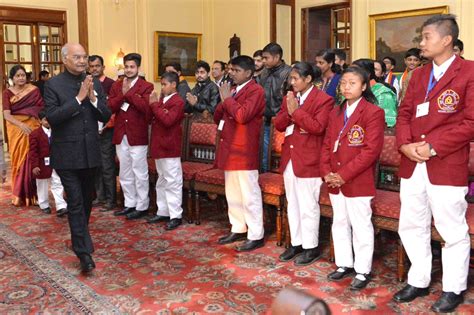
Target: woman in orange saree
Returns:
[21, 105]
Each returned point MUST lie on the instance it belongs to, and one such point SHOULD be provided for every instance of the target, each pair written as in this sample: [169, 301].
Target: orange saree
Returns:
[25, 107]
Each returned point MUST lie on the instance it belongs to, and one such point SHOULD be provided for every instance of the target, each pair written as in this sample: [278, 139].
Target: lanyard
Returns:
[346, 120]
[431, 84]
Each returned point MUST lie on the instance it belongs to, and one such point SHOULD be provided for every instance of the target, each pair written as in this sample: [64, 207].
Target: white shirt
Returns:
[47, 131]
[439, 71]
[304, 96]
[350, 109]
[239, 87]
[166, 98]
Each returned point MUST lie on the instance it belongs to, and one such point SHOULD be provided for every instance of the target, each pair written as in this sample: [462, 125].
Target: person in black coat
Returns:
[74, 103]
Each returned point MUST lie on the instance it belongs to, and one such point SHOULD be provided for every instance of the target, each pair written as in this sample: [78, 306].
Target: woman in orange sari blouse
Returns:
[21, 105]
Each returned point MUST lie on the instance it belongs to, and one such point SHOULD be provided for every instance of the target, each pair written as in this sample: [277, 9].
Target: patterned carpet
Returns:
[143, 269]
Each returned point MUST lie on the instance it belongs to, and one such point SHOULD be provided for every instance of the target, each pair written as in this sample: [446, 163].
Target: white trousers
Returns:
[303, 208]
[419, 201]
[244, 199]
[352, 227]
[57, 189]
[169, 188]
[134, 174]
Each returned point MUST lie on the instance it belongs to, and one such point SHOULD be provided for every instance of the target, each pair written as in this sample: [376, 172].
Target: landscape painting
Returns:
[392, 34]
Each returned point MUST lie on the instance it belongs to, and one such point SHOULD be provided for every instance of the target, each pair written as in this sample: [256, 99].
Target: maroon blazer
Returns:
[166, 130]
[359, 147]
[134, 122]
[240, 137]
[448, 127]
[39, 149]
[303, 147]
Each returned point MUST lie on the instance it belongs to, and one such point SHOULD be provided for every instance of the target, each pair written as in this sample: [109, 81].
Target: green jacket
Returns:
[387, 100]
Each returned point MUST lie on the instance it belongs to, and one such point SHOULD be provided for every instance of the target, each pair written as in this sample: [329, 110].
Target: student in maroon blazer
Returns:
[434, 129]
[304, 117]
[352, 145]
[165, 148]
[39, 157]
[239, 116]
[128, 100]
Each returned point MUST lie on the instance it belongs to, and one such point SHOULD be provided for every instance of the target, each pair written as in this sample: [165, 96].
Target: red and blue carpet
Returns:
[143, 269]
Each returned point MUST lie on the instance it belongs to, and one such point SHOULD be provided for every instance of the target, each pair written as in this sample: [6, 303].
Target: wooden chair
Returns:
[271, 182]
[200, 152]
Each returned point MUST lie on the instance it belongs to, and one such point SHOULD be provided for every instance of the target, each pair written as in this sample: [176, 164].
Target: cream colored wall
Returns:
[70, 6]
[130, 25]
[361, 9]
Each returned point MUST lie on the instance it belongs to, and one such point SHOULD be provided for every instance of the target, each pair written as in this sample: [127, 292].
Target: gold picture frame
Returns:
[392, 34]
[184, 48]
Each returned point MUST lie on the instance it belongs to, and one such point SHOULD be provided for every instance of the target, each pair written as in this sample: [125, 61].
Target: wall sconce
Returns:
[119, 59]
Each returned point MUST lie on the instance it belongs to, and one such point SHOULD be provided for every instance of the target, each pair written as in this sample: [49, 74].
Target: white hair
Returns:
[64, 51]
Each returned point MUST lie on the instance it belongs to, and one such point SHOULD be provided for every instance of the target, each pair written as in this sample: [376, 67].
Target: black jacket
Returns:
[274, 82]
[74, 136]
[208, 97]
[183, 88]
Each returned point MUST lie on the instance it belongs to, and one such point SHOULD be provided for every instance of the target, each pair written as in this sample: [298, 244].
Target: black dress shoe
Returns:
[157, 218]
[360, 281]
[61, 212]
[340, 273]
[136, 214]
[124, 211]
[231, 238]
[250, 245]
[308, 257]
[447, 302]
[97, 201]
[409, 293]
[291, 253]
[87, 264]
[46, 210]
[173, 224]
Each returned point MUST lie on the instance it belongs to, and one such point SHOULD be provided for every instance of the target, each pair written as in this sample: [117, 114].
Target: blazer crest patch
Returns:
[448, 102]
[356, 135]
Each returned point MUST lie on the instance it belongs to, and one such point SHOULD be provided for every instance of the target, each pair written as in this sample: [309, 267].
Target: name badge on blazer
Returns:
[124, 106]
[46, 161]
[422, 109]
[221, 125]
[289, 130]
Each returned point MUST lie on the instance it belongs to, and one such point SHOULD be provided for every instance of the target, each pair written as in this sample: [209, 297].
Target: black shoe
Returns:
[136, 214]
[231, 238]
[340, 273]
[173, 224]
[249, 245]
[157, 218]
[308, 257]
[87, 264]
[124, 211]
[291, 253]
[61, 212]
[409, 293]
[358, 284]
[46, 210]
[447, 302]
[108, 207]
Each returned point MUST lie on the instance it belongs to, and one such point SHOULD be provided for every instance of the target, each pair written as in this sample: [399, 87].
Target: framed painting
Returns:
[392, 34]
[183, 48]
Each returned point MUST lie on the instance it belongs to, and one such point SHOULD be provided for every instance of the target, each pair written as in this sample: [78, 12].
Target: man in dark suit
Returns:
[74, 103]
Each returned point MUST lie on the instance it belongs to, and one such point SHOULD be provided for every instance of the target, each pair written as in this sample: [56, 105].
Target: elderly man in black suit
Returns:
[74, 104]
